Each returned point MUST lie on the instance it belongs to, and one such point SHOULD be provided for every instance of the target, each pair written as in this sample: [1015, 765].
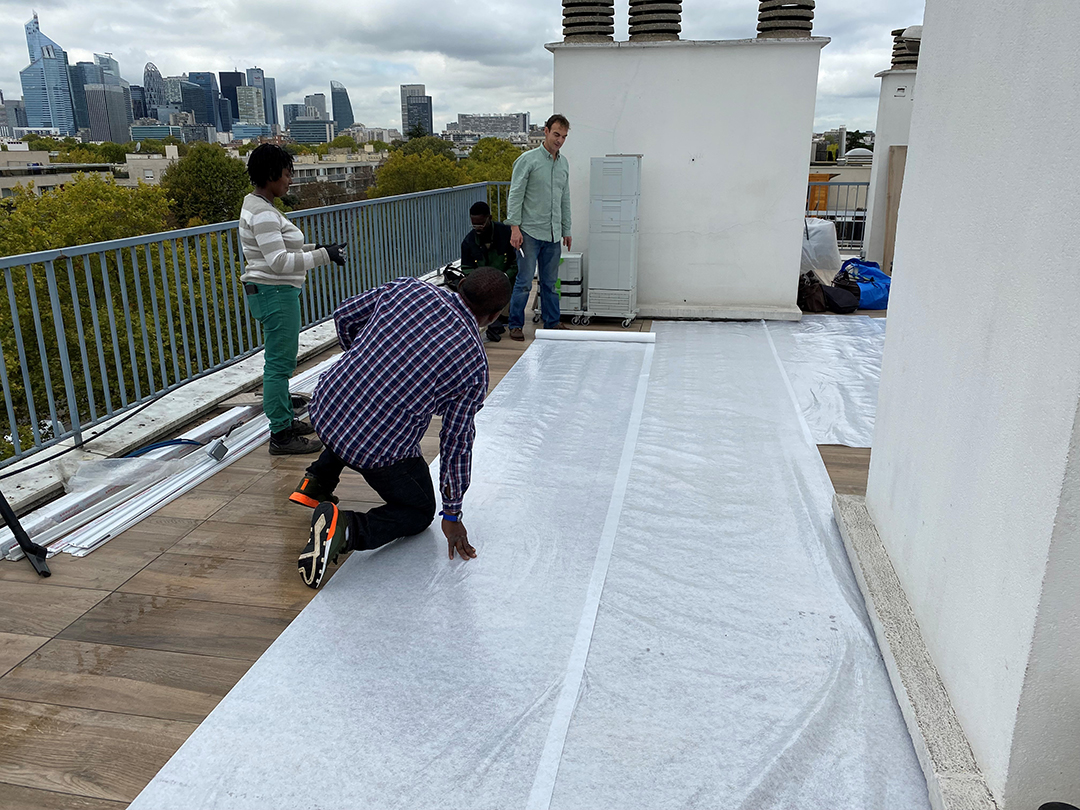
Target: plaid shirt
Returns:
[411, 351]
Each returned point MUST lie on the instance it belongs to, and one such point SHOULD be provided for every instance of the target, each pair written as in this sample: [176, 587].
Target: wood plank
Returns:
[219, 579]
[99, 754]
[196, 505]
[105, 569]
[181, 625]
[166, 526]
[40, 609]
[281, 483]
[14, 647]
[848, 467]
[233, 480]
[253, 543]
[894, 185]
[14, 797]
[128, 680]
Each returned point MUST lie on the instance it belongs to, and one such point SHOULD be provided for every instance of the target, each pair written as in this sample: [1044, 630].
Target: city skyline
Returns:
[375, 48]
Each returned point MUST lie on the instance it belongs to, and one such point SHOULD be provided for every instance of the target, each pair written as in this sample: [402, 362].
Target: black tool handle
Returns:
[35, 553]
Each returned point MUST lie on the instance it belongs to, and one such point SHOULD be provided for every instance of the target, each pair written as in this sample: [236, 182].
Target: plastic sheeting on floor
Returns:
[661, 615]
[834, 363]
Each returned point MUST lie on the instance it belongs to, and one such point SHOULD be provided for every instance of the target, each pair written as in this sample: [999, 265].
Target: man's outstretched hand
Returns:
[457, 539]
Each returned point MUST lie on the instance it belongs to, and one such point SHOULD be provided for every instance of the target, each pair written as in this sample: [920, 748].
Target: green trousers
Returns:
[277, 308]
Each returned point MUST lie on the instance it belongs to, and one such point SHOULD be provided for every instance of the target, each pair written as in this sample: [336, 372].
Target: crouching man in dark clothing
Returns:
[488, 245]
[412, 351]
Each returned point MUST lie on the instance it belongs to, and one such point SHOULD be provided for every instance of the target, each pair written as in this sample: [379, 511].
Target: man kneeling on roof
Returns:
[411, 351]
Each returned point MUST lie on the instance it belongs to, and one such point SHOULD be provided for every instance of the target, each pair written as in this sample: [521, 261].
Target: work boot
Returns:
[517, 334]
[302, 428]
[325, 543]
[290, 443]
[311, 493]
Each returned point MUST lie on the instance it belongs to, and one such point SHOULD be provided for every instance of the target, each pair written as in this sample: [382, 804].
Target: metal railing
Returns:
[845, 205]
[95, 330]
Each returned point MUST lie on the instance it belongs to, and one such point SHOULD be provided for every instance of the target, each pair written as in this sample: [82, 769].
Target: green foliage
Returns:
[206, 186]
[492, 159]
[344, 142]
[856, 140]
[404, 173]
[90, 209]
[380, 146]
[428, 143]
[416, 131]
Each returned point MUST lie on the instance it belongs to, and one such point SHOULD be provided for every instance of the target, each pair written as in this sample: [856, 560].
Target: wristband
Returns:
[451, 517]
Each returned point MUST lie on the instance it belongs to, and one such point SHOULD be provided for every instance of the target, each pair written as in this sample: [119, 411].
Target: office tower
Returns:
[406, 91]
[318, 101]
[211, 109]
[172, 88]
[46, 83]
[292, 112]
[418, 113]
[229, 82]
[311, 130]
[111, 68]
[256, 77]
[80, 75]
[491, 123]
[249, 101]
[193, 100]
[138, 102]
[108, 112]
[339, 98]
[225, 113]
[154, 86]
[16, 112]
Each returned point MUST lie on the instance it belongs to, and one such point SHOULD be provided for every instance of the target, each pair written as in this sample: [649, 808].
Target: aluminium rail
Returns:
[844, 204]
[92, 331]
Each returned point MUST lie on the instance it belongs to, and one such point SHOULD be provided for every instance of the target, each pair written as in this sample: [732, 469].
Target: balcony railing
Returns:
[845, 205]
[95, 330]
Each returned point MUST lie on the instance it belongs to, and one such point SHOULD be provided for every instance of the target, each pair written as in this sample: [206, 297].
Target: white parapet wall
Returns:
[974, 482]
[724, 130]
[892, 129]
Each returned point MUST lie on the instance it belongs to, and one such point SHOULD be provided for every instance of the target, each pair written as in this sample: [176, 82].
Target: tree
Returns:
[90, 209]
[856, 140]
[492, 159]
[405, 173]
[344, 142]
[416, 131]
[205, 186]
[379, 146]
[428, 143]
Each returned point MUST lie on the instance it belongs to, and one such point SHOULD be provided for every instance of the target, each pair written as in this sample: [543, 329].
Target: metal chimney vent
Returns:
[588, 20]
[785, 19]
[655, 20]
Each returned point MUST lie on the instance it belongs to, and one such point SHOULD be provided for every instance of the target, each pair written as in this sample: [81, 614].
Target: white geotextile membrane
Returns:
[834, 363]
[730, 663]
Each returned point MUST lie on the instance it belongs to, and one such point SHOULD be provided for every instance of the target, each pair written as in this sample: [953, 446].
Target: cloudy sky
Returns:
[473, 55]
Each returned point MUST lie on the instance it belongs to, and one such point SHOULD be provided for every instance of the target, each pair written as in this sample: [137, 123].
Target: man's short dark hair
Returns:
[486, 291]
[480, 209]
[557, 119]
[266, 163]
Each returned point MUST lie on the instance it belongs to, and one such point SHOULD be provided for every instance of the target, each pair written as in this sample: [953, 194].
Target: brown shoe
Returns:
[559, 325]
[517, 334]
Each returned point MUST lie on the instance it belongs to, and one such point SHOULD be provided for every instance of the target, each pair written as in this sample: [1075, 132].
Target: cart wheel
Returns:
[626, 323]
[575, 320]
[586, 320]
[536, 319]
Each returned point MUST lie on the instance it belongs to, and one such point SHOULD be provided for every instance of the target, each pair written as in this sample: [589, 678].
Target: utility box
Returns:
[571, 283]
[614, 193]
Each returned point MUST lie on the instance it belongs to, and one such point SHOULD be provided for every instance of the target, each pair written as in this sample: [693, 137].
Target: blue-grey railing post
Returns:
[50, 397]
[61, 345]
[80, 334]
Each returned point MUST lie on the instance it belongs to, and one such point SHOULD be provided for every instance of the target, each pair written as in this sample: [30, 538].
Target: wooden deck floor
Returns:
[109, 665]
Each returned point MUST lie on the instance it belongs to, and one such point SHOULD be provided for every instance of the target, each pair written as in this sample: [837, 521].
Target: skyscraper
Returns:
[343, 113]
[225, 111]
[418, 113]
[256, 77]
[406, 91]
[108, 111]
[138, 101]
[292, 112]
[82, 74]
[318, 101]
[46, 84]
[211, 108]
[229, 82]
[249, 101]
[155, 88]
[193, 100]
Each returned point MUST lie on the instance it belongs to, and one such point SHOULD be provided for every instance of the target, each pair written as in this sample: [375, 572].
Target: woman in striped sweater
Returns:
[276, 263]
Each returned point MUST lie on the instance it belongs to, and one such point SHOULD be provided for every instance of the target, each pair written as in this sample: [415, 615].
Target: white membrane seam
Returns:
[791, 391]
[548, 768]
[597, 335]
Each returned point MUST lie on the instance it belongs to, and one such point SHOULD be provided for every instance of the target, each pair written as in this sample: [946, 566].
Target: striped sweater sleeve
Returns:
[267, 229]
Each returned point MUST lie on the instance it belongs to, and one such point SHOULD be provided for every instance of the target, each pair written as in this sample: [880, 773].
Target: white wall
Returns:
[892, 128]
[981, 380]
[722, 201]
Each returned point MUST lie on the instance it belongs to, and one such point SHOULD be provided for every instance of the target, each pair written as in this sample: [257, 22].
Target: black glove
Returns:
[335, 252]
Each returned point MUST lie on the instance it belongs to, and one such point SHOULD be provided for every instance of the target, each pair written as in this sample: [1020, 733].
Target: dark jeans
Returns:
[405, 486]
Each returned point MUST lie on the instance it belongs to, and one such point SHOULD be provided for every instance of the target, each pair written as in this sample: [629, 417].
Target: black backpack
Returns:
[837, 299]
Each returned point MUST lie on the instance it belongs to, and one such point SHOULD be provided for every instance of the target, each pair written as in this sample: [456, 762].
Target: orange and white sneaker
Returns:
[325, 543]
[310, 493]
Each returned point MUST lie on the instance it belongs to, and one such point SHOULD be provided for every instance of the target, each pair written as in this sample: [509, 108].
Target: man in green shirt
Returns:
[538, 213]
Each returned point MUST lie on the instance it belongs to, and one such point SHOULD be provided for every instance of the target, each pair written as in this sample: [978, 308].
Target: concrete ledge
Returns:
[952, 775]
[732, 313]
[32, 485]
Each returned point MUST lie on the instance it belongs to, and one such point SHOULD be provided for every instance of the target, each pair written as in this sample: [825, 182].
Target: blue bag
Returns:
[873, 284]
